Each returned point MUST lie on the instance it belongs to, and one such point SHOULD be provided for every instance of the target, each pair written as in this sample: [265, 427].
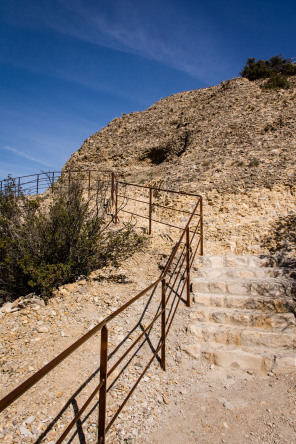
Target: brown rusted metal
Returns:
[176, 278]
[26, 385]
[89, 174]
[103, 389]
[133, 388]
[163, 305]
[79, 414]
[133, 344]
[174, 313]
[188, 267]
[153, 220]
[181, 274]
[150, 210]
[112, 188]
[201, 228]
[159, 189]
[116, 202]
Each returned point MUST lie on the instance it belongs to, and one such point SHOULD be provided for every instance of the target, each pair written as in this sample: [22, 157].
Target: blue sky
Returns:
[68, 67]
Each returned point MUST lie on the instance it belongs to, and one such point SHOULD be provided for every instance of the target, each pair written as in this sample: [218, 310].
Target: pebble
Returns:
[42, 329]
[30, 420]
[24, 431]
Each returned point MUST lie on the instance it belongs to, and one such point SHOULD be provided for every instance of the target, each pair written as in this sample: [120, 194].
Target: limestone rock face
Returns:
[229, 137]
[233, 143]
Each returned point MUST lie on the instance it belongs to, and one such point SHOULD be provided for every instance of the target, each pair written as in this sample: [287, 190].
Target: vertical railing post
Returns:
[163, 305]
[1, 186]
[37, 184]
[201, 229]
[116, 201]
[52, 184]
[19, 186]
[103, 389]
[150, 210]
[89, 173]
[188, 266]
[112, 187]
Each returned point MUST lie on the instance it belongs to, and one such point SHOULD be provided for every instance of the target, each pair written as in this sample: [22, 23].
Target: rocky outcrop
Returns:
[233, 143]
[245, 313]
[230, 137]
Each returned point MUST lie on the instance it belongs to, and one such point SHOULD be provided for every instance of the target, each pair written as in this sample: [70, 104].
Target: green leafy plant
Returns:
[276, 69]
[46, 242]
[276, 81]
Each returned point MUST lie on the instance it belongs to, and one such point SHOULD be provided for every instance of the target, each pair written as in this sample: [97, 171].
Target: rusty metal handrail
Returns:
[187, 256]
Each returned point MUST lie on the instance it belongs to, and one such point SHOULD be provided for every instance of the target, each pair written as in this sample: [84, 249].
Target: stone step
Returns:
[248, 318]
[242, 273]
[251, 360]
[240, 335]
[235, 261]
[270, 287]
[257, 303]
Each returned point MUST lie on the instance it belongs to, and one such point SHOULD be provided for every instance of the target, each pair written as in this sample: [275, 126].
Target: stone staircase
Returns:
[244, 313]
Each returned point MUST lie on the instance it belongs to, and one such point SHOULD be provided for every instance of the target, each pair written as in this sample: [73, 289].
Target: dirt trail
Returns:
[189, 403]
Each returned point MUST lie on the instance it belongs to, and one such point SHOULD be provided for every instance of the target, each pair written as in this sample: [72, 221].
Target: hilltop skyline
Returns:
[68, 68]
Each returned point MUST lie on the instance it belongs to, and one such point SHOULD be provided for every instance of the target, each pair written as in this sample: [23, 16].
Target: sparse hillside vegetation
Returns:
[276, 70]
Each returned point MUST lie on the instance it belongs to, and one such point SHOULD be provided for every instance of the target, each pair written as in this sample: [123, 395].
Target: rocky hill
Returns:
[230, 137]
[234, 143]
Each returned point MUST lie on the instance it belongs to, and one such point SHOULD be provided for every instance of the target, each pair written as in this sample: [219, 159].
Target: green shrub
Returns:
[263, 69]
[276, 81]
[254, 163]
[46, 242]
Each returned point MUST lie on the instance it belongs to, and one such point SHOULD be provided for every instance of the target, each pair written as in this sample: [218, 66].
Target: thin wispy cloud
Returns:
[187, 45]
[26, 156]
[159, 31]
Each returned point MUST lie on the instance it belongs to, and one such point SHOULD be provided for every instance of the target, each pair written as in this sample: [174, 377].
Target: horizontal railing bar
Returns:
[153, 220]
[133, 389]
[26, 385]
[172, 286]
[181, 238]
[198, 245]
[178, 270]
[58, 172]
[171, 208]
[194, 233]
[153, 204]
[159, 189]
[81, 411]
[179, 299]
[131, 198]
[133, 344]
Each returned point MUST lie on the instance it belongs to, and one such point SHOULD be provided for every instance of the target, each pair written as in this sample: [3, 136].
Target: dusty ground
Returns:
[219, 406]
[189, 403]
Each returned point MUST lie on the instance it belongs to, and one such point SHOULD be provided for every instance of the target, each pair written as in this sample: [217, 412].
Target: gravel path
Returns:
[188, 403]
